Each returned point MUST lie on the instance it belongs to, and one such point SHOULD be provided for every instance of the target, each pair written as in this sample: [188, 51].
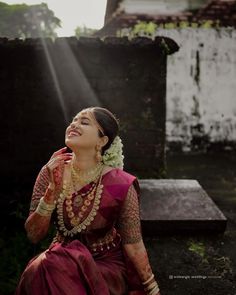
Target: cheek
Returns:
[91, 133]
[89, 130]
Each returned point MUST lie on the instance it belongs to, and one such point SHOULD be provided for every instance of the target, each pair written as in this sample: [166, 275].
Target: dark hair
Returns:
[109, 124]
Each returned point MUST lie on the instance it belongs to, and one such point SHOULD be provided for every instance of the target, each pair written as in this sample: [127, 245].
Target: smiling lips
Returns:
[74, 133]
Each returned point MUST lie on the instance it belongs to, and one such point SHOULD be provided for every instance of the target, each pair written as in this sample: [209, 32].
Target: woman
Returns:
[94, 204]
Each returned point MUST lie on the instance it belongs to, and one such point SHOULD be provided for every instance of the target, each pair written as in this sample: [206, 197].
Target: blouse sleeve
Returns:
[40, 186]
[129, 225]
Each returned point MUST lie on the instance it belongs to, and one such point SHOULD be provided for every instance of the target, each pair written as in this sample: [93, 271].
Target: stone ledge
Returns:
[161, 43]
[178, 206]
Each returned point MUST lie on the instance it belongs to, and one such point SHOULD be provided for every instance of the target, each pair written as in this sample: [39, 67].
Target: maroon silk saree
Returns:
[71, 266]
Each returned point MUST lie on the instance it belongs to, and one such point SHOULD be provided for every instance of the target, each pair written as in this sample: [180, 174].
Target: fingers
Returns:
[59, 159]
[60, 151]
[55, 156]
[54, 167]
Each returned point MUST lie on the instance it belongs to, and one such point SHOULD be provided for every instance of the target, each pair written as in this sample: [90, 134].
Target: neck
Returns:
[84, 160]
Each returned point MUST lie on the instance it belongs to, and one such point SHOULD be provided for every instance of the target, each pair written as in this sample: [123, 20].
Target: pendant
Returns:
[75, 221]
[78, 201]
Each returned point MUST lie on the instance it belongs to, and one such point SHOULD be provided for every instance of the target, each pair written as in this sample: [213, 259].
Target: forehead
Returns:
[83, 114]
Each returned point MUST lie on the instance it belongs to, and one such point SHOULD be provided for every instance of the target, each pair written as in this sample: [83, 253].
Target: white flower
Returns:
[114, 155]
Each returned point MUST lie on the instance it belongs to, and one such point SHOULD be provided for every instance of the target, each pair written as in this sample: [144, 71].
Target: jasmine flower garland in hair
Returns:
[114, 155]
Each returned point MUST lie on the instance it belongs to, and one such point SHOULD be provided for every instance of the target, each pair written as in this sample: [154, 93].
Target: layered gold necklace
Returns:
[81, 201]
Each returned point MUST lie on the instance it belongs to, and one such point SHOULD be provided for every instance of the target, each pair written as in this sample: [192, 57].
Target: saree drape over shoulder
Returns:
[92, 262]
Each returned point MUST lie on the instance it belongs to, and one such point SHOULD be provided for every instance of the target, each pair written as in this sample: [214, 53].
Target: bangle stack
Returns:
[152, 288]
[44, 209]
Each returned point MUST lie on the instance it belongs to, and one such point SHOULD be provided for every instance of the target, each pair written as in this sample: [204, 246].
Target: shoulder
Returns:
[127, 175]
[122, 174]
[132, 180]
[125, 179]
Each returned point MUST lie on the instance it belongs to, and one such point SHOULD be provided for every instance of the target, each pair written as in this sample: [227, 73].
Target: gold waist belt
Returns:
[110, 240]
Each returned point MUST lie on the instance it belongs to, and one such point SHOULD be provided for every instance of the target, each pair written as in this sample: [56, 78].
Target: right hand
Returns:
[54, 165]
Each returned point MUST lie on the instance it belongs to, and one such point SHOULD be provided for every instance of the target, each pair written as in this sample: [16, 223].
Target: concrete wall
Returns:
[201, 102]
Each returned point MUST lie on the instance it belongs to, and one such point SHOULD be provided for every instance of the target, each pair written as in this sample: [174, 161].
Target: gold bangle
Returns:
[148, 280]
[46, 206]
[151, 286]
[44, 209]
[42, 212]
[154, 290]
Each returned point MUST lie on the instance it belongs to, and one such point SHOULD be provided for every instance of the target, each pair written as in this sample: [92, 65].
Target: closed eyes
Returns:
[82, 122]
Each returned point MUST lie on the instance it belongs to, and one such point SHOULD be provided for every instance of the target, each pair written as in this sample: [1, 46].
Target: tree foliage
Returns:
[84, 31]
[27, 21]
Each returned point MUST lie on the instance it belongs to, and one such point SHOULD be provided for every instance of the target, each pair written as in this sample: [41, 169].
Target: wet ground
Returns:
[200, 264]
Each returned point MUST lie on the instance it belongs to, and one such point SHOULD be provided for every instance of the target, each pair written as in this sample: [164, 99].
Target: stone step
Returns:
[178, 206]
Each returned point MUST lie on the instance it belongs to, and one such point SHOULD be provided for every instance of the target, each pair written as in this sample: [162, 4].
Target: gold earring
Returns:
[98, 154]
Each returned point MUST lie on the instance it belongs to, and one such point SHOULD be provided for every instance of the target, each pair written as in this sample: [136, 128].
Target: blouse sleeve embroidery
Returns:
[40, 186]
[129, 225]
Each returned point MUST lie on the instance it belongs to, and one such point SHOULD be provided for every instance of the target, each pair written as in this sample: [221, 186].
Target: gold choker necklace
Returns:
[84, 177]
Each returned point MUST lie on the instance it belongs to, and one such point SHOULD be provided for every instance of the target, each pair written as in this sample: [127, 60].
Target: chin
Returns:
[70, 142]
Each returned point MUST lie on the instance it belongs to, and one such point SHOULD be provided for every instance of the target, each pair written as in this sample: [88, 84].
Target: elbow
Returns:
[26, 226]
[31, 233]
[32, 239]
[28, 223]
[36, 227]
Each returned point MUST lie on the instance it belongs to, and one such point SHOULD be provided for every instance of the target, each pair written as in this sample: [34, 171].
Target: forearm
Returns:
[138, 255]
[37, 224]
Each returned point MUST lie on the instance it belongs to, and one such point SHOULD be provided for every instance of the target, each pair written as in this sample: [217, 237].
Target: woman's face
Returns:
[83, 133]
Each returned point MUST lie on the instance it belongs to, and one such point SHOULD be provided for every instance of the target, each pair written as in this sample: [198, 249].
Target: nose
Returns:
[74, 125]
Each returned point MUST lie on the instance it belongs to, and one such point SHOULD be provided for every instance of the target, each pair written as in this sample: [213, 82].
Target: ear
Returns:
[104, 140]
